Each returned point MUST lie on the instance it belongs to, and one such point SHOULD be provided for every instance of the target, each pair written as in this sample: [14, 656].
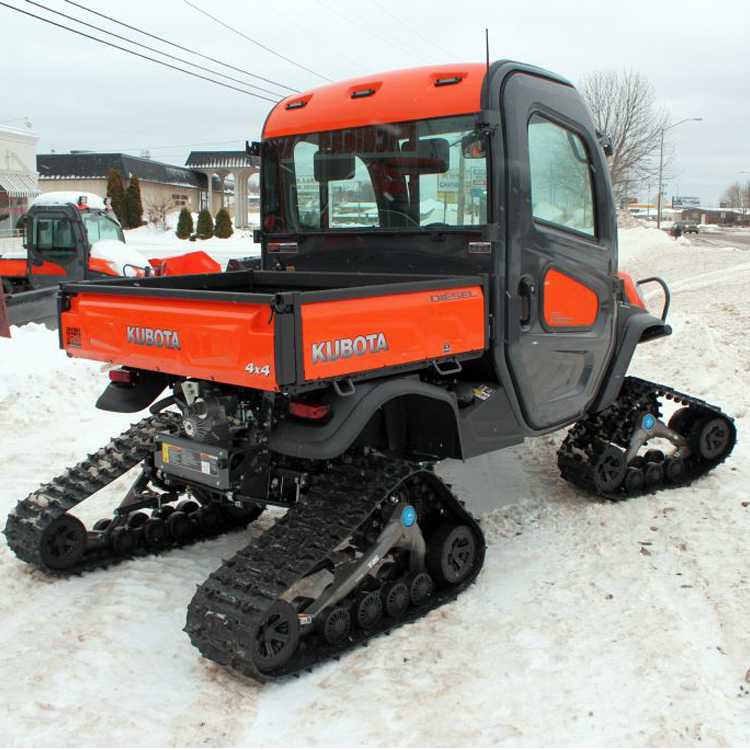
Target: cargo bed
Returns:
[277, 330]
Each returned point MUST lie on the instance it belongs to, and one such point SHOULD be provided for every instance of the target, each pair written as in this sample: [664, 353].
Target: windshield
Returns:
[101, 226]
[422, 174]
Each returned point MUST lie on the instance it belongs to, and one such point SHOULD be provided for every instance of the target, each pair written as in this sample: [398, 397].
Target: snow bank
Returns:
[592, 623]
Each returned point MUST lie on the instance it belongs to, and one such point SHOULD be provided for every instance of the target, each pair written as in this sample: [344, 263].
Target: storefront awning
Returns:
[19, 185]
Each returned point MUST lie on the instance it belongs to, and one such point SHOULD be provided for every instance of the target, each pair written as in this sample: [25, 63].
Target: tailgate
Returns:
[226, 341]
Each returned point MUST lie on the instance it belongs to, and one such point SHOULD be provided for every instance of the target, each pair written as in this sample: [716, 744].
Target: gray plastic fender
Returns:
[633, 328]
[349, 416]
[132, 398]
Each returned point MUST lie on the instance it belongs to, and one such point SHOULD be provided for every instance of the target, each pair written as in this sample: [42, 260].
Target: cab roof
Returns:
[397, 96]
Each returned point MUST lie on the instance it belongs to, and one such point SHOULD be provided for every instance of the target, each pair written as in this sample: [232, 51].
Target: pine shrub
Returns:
[133, 204]
[205, 225]
[116, 195]
[184, 224]
[223, 227]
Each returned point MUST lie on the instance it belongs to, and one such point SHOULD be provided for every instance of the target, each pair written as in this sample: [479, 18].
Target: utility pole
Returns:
[661, 163]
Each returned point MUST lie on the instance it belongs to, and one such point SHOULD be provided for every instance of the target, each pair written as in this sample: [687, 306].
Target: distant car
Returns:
[687, 226]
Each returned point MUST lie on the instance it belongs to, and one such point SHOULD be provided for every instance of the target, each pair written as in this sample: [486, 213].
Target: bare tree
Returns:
[624, 107]
[157, 210]
[737, 196]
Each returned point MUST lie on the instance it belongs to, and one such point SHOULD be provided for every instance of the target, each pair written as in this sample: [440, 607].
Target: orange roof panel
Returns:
[412, 94]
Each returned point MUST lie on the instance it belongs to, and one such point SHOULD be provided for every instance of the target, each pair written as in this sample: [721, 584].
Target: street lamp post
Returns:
[661, 163]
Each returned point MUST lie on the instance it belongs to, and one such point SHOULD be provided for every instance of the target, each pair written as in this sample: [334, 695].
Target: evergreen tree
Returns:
[205, 225]
[184, 224]
[116, 194]
[133, 204]
[223, 227]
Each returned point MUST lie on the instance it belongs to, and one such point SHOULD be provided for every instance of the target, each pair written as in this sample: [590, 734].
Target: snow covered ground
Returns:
[591, 624]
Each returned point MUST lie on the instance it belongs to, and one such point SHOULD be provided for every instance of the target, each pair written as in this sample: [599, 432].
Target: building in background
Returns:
[87, 172]
[210, 179]
[18, 183]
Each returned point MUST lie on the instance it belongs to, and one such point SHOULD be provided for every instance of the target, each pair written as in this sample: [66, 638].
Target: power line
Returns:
[371, 31]
[409, 28]
[254, 41]
[153, 49]
[137, 54]
[317, 39]
[179, 46]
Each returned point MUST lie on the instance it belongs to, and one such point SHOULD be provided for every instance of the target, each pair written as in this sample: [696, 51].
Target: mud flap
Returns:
[128, 399]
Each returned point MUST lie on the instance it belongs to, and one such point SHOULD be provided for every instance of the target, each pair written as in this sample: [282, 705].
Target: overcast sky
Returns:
[82, 95]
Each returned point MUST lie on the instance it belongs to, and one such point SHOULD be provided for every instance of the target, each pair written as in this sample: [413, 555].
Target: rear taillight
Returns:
[123, 376]
[305, 410]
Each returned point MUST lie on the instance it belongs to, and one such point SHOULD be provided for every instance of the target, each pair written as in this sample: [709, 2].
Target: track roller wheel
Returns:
[102, 524]
[451, 553]
[334, 624]
[368, 609]
[395, 598]
[137, 520]
[63, 543]
[209, 518]
[711, 437]
[653, 474]
[180, 527]
[653, 456]
[609, 469]
[634, 479]
[155, 533]
[124, 540]
[245, 513]
[421, 587]
[674, 469]
[164, 512]
[187, 506]
[276, 638]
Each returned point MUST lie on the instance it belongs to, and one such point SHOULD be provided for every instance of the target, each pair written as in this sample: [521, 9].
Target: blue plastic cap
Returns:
[648, 421]
[408, 516]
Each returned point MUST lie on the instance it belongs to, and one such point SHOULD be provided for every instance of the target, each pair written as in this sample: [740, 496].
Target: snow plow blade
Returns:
[36, 306]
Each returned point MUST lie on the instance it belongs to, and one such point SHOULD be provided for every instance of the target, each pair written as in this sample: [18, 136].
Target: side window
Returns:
[562, 191]
[53, 234]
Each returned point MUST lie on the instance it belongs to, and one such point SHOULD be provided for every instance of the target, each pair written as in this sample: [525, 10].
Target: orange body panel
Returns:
[355, 335]
[399, 95]
[195, 262]
[631, 290]
[223, 341]
[17, 267]
[567, 302]
[12, 267]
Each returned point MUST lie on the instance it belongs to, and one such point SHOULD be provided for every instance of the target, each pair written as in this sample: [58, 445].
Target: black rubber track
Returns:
[588, 438]
[32, 516]
[229, 606]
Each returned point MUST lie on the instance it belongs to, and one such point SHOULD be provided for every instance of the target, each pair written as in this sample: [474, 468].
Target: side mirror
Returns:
[473, 146]
[333, 167]
[605, 143]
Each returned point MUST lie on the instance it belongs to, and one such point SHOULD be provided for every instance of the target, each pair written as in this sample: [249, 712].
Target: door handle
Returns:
[527, 296]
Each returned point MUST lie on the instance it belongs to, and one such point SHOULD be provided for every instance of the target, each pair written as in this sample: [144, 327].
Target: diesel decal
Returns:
[448, 296]
[330, 351]
[153, 337]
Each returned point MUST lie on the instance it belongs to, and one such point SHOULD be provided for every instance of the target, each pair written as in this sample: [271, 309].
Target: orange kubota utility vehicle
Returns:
[73, 237]
[439, 280]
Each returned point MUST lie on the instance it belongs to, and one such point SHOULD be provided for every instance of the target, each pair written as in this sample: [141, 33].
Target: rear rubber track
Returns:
[32, 516]
[228, 607]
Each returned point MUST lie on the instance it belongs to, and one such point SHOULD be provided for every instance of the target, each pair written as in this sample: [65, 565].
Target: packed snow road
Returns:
[591, 623]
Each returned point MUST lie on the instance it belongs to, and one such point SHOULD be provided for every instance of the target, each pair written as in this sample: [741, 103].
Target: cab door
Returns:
[561, 252]
[55, 248]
